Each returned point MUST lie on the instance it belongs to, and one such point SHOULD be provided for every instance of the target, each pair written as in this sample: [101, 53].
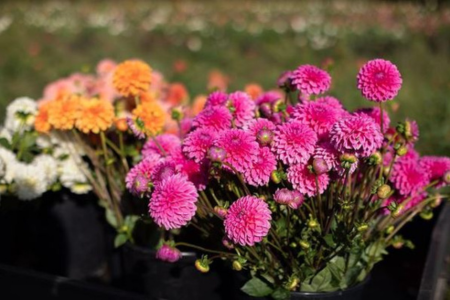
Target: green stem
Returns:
[203, 249]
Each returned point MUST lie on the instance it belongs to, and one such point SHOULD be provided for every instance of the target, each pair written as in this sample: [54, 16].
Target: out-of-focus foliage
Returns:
[250, 41]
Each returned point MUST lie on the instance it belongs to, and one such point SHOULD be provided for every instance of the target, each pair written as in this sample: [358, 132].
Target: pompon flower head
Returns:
[170, 143]
[94, 115]
[49, 165]
[173, 202]
[247, 221]
[438, 167]
[331, 101]
[217, 98]
[262, 129]
[242, 108]
[62, 112]
[198, 142]
[258, 173]
[304, 180]
[287, 197]
[318, 116]
[153, 116]
[136, 126]
[41, 123]
[132, 77]
[375, 114]
[379, 80]
[359, 135]
[269, 97]
[215, 118]
[254, 90]
[412, 130]
[21, 114]
[197, 173]
[240, 146]
[294, 142]
[163, 170]
[409, 175]
[140, 175]
[30, 182]
[168, 254]
[283, 80]
[310, 80]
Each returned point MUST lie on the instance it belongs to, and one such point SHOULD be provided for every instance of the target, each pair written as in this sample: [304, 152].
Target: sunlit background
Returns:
[246, 41]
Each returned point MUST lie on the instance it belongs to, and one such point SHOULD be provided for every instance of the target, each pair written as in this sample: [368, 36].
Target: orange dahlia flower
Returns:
[132, 77]
[152, 115]
[177, 94]
[199, 104]
[63, 112]
[41, 123]
[254, 90]
[94, 115]
[147, 97]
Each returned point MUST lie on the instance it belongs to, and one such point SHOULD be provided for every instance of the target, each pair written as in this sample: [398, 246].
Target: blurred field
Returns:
[249, 41]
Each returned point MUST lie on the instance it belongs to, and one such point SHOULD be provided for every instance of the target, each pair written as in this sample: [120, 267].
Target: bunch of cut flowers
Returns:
[292, 189]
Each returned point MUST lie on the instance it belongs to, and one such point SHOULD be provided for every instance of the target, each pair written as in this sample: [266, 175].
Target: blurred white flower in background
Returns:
[72, 177]
[30, 181]
[20, 114]
[10, 165]
[50, 167]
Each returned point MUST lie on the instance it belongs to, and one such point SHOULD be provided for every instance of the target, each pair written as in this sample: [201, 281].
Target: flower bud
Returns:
[436, 201]
[177, 114]
[363, 227]
[220, 211]
[375, 159]
[275, 176]
[384, 191]
[279, 105]
[347, 157]
[426, 215]
[264, 137]
[217, 154]
[398, 245]
[284, 80]
[407, 129]
[304, 244]
[313, 223]
[447, 177]
[227, 243]
[237, 266]
[402, 151]
[293, 283]
[320, 166]
[390, 229]
[168, 253]
[202, 265]
[293, 245]
[296, 201]
[398, 211]
[266, 109]
[121, 124]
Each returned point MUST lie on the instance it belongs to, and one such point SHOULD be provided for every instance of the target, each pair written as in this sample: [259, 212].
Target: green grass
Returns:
[245, 40]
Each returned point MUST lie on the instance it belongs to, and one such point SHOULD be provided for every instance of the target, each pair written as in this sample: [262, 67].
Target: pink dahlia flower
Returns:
[413, 130]
[409, 176]
[375, 114]
[438, 167]
[197, 173]
[262, 129]
[310, 80]
[217, 154]
[379, 80]
[139, 176]
[318, 116]
[136, 128]
[198, 142]
[247, 221]
[170, 143]
[240, 146]
[243, 108]
[357, 134]
[173, 202]
[258, 172]
[294, 142]
[283, 80]
[163, 170]
[217, 98]
[304, 180]
[169, 254]
[328, 154]
[214, 118]
[269, 97]
[331, 101]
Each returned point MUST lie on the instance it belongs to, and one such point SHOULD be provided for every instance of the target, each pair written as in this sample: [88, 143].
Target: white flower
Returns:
[68, 149]
[11, 165]
[4, 133]
[50, 167]
[72, 176]
[30, 182]
[2, 168]
[20, 114]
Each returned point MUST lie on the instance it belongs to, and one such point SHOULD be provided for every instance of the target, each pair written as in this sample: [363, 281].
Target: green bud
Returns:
[375, 159]
[402, 151]
[202, 264]
[426, 215]
[293, 245]
[312, 223]
[390, 229]
[276, 177]
[292, 283]
[237, 266]
[384, 191]
[363, 227]
[304, 244]
[177, 114]
[279, 105]
[397, 211]
[350, 158]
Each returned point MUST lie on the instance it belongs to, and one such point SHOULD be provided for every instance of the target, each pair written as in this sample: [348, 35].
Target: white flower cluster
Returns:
[62, 165]
[20, 114]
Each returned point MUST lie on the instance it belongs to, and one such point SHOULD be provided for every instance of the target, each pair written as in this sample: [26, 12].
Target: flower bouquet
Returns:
[293, 190]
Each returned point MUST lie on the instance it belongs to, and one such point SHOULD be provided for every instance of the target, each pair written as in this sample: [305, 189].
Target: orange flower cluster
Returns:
[65, 113]
[153, 116]
[94, 115]
[132, 77]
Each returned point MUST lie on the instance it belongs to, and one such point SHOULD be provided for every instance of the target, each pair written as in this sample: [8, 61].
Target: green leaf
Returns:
[257, 288]
[320, 283]
[329, 240]
[281, 294]
[111, 218]
[120, 239]
[5, 143]
[130, 222]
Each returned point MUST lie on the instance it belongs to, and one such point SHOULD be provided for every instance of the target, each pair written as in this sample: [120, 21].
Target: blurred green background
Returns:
[249, 41]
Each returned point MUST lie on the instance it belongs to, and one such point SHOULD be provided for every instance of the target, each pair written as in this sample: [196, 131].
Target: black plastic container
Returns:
[144, 274]
[353, 293]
